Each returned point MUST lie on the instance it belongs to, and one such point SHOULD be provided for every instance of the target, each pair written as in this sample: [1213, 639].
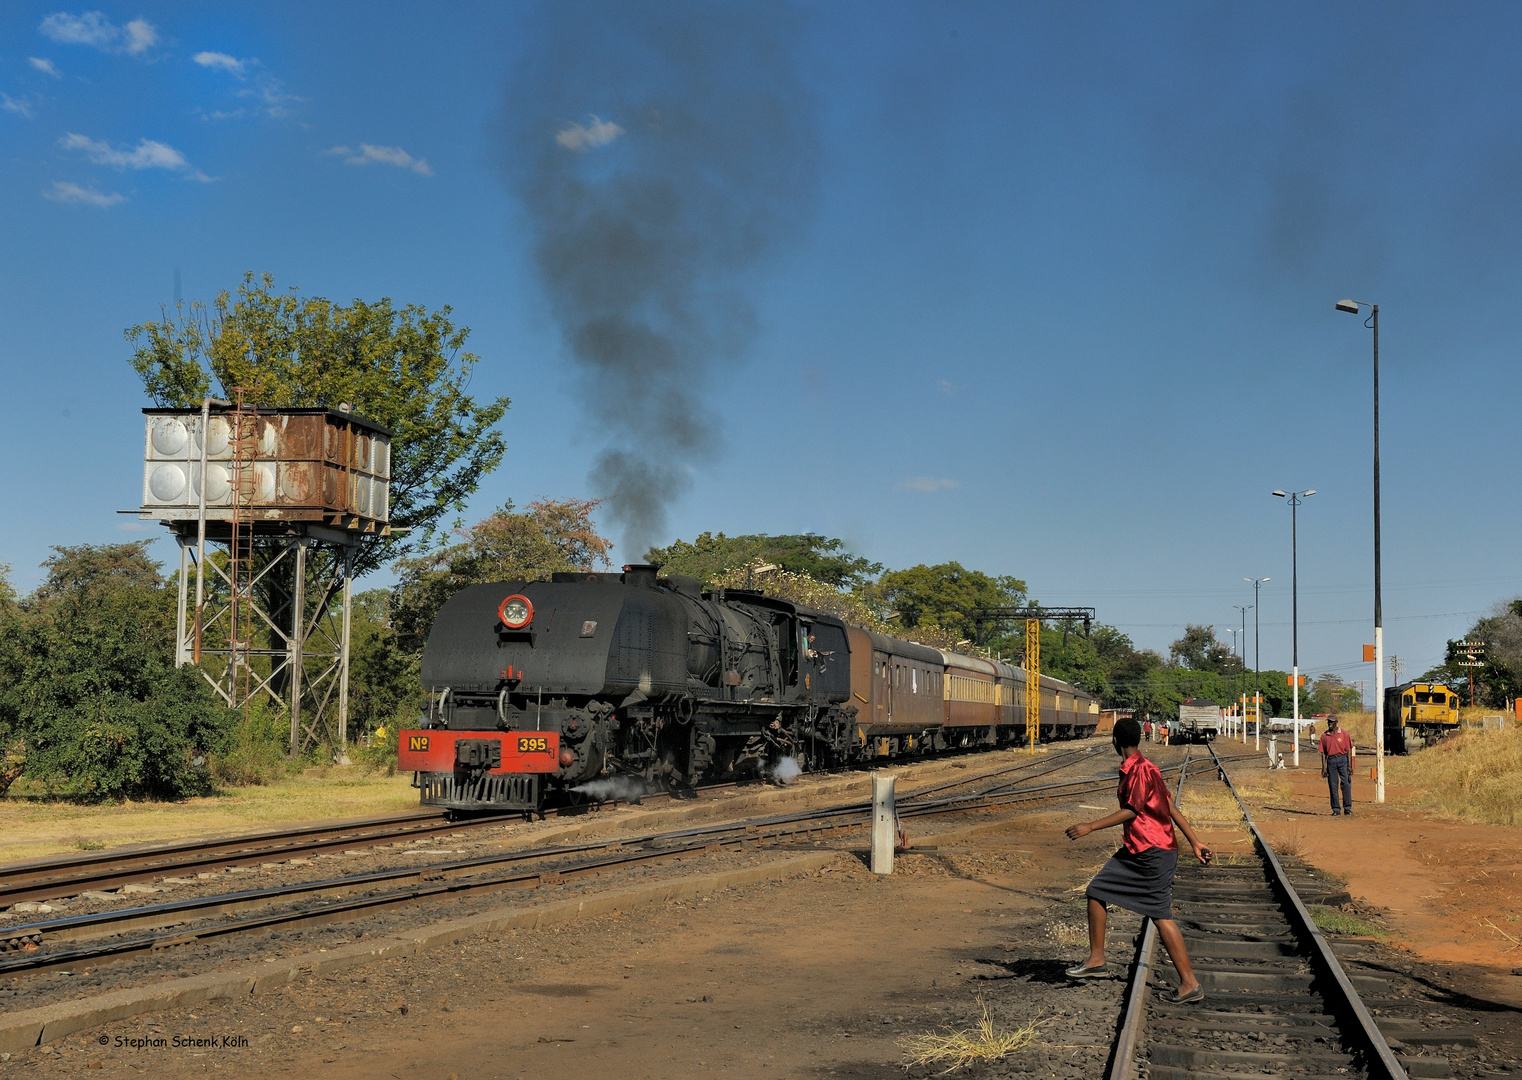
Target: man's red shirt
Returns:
[1335, 742]
[1144, 791]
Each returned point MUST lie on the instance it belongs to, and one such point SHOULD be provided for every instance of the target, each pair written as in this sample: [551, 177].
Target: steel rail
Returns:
[1134, 1017]
[706, 838]
[69, 875]
[1383, 1061]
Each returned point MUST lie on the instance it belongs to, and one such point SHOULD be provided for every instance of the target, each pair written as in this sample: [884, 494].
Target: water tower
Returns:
[271, 509]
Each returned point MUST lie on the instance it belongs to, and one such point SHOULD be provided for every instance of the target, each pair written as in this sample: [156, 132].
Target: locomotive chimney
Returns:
[640, 574]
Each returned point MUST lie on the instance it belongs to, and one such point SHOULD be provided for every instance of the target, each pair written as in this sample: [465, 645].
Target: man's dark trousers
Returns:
[1338, 771]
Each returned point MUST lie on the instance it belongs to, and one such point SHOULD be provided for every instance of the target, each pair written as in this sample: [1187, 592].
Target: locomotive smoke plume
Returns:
[663, 151]
[622, 788]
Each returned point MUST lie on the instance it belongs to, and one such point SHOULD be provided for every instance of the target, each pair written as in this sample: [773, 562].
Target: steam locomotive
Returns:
[543, 688]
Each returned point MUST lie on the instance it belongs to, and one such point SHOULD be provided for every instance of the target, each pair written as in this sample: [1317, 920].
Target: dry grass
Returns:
[970, 1046]
[1360, 725]
[1211, 807]
[1066, 933]
[1286, 839]
[1475, 776]
[1335, 921]
[31, 829]
[1262, 787]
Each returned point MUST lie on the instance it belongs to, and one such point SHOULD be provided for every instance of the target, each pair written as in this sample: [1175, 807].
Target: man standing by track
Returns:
[1139, 877]
[1336, 748]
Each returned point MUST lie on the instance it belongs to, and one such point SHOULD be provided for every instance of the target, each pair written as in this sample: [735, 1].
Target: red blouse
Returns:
[1144, 791]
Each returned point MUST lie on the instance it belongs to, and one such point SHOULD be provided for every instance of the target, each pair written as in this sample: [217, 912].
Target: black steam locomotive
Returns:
[559, 685]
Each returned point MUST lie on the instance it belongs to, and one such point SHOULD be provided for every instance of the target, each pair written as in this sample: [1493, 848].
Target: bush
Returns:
[380, 754]
[91, 690]
[256, 750]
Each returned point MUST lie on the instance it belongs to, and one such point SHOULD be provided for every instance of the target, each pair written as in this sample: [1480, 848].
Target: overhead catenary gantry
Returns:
[1034, 615]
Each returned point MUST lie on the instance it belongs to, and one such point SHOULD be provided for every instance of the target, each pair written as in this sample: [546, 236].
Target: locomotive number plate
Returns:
[418, 743]
[533, 744]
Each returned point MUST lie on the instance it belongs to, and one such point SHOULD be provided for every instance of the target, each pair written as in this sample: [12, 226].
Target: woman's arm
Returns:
[1201, 852]
[1120, 817]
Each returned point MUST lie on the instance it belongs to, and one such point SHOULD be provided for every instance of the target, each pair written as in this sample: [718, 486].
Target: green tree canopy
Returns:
[1200, 650]
[509, 545]
[1499, 678]
[91, 698]
[402, 367]
[948, 596]
[819, 558]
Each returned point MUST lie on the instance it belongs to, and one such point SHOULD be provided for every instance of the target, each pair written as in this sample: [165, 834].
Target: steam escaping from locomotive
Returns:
[621, 788]
[662, 152]
[786, 771]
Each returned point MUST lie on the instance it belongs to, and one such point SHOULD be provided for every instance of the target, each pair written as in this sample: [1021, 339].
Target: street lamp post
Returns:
[1242, 663]
[1257, 658]
[1295, 499]
[1352, 308]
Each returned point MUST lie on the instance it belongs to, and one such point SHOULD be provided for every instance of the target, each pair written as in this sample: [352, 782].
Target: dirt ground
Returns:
[1449, 893]
[817, 976]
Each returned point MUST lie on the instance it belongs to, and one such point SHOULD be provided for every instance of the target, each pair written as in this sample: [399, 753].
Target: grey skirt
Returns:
[1140, 882]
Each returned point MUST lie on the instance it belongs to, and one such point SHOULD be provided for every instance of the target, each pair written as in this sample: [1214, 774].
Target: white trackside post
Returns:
[884, 822]
[1297, 716]
[1379, 714]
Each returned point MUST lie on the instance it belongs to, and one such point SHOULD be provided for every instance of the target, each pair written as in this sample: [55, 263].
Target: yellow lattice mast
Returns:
[1033, 615]
[1033, 680]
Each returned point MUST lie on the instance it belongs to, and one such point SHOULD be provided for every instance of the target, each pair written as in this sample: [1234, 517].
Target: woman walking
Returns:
[1139, 877]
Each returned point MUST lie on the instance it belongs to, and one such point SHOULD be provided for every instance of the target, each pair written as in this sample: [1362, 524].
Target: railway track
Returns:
[70, 875]
[1279, 999]
[92, 939]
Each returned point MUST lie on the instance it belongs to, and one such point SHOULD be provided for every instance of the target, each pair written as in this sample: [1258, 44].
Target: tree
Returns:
[402, 367]
[819, 558]
[91, 691]
[384, 680]
[1200, 650]
[1499, 680]
[947, 596]
[547, 538]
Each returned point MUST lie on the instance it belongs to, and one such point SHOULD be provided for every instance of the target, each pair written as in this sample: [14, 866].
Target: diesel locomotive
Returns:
[1418, 714]
[551, 687]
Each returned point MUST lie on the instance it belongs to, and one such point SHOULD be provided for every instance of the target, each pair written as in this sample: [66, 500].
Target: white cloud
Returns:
[65, 192]
[141, 36]
[927, 483]
[47, 67]
[382, 155]
[147, 154]
[950, 388]
[95, 30]
[597, 133]
[20, 106]
[262, 87]
[220, 60]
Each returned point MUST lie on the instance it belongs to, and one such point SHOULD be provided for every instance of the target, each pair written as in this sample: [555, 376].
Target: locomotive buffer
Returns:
[1034, 615]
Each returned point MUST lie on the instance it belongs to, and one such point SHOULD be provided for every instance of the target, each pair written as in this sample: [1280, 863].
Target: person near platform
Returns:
[1336, 749]
[1147, 730]
[1139, 877]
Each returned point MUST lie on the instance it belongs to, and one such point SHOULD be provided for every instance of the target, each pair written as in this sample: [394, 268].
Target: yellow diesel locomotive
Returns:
[1418, 714]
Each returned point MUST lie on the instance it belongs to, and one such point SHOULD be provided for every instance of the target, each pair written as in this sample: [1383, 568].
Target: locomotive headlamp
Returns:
[516, 612]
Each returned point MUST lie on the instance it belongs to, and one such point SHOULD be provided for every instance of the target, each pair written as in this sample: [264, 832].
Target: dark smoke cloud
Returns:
[661, 152]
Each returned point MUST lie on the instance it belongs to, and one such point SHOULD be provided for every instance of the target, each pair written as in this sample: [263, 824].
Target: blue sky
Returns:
[1052, 296]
